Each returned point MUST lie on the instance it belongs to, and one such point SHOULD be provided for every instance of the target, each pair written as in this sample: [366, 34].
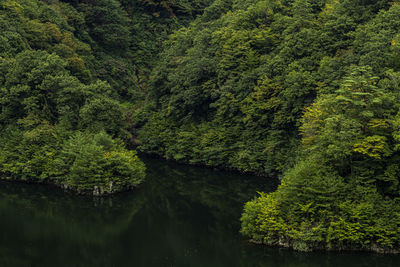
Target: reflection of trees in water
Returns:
[182, 216]
[200, 210]
[50, 227]
[222, 193]
[192, 219]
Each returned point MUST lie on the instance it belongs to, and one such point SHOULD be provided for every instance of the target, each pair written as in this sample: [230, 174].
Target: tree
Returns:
[336, 194]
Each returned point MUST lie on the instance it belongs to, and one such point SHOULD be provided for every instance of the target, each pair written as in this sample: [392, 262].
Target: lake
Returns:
[181, 216]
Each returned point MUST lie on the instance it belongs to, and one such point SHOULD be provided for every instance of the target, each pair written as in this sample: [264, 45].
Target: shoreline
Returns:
[210, 167]
[97, 192]
[286, 245]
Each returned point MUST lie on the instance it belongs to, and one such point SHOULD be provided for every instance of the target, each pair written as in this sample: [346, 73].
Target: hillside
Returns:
[304, 90]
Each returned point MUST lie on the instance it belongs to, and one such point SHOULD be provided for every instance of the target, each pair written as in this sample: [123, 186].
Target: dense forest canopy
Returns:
[305, 90]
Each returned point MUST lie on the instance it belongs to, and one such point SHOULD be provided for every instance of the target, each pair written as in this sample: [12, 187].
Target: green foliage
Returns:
[47, 94]
[96, 162]
[343, 191]
[261, 220]
[85, 163]
[28, 155]
[254, 67]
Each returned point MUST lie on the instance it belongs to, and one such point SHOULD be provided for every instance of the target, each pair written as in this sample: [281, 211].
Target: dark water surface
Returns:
[182, 216]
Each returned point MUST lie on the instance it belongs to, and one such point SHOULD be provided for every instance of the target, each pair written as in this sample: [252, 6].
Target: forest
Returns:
[304, 90]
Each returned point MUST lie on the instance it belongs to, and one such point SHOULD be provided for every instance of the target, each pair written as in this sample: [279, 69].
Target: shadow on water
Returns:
[182, 216]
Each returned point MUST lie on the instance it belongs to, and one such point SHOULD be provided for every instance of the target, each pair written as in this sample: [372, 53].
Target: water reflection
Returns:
[182, 216]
